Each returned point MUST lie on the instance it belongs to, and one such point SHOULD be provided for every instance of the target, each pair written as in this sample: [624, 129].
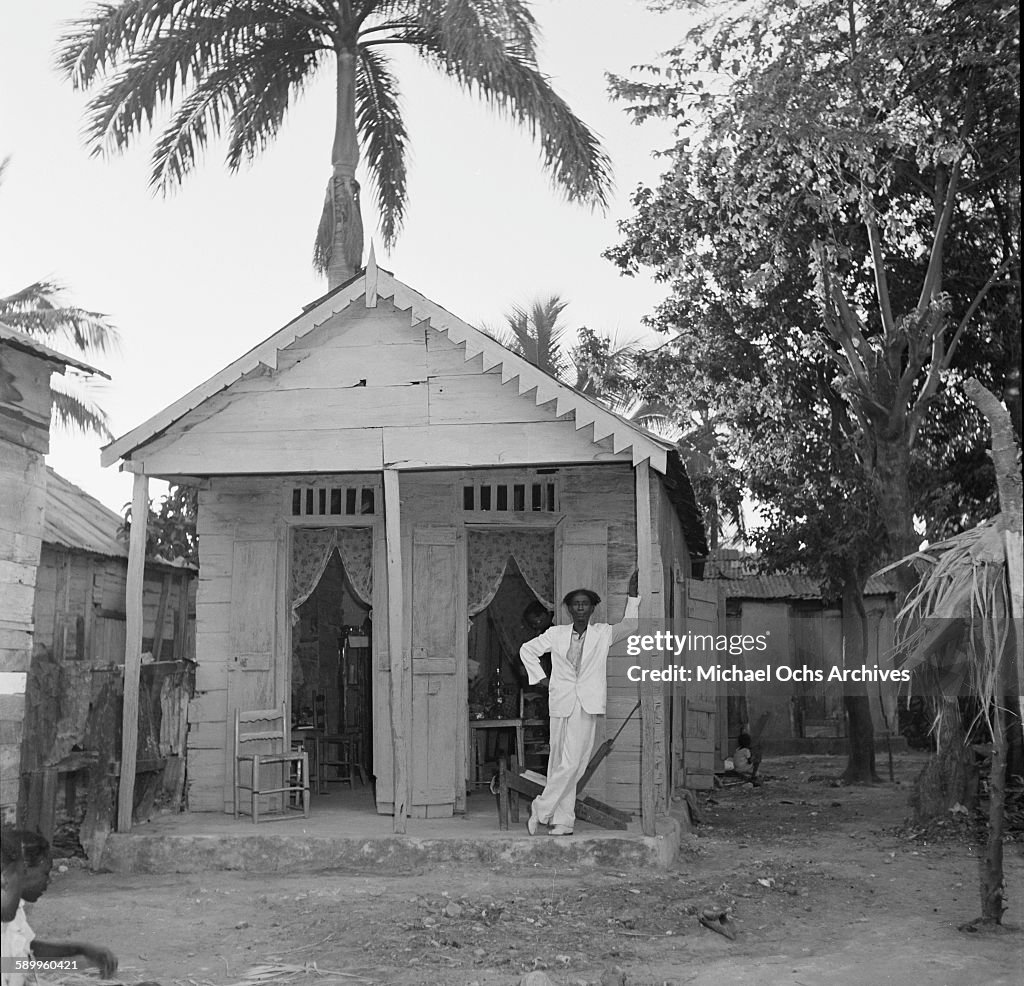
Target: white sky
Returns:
[194, 280]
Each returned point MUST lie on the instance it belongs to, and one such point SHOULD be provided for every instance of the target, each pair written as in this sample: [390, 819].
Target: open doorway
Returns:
[499, 690]
[331, 688]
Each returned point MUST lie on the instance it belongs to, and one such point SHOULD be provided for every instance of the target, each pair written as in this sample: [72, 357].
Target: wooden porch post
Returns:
[648, 689]
[399, 656]
[132, 650]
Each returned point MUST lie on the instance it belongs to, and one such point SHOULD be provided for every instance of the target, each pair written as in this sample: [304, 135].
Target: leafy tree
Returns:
[234, 66]
[171, 528]
[864, 159]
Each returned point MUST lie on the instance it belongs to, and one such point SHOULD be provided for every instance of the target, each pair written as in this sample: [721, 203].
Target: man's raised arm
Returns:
[631, 617]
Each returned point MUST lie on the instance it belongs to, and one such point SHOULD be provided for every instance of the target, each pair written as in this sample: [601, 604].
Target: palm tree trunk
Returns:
[993, 881]
[339, 248]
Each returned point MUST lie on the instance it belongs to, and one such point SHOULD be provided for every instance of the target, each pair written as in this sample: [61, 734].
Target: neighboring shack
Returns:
[803, 631]
[25, 407]
[71, 744]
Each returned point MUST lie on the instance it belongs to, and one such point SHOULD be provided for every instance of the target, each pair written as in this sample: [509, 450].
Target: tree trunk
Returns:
[949, 777]
[891, 477]
[1011, 503]
[860, 766]
[993, 883]
[339, 249]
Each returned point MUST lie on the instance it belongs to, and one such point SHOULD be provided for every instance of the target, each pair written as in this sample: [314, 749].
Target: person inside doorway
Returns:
[577, 695]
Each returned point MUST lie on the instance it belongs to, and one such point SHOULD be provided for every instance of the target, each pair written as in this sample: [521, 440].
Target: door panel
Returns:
[253, 630]
[581, 550]
[436, 752]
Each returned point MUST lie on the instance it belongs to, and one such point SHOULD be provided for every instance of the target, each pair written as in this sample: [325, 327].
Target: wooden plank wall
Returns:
[24, 440]
[22, 496]
[606, 494]
[674, 564]
[80, 601]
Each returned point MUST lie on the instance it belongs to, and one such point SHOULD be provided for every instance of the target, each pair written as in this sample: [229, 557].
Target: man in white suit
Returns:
[577, 695]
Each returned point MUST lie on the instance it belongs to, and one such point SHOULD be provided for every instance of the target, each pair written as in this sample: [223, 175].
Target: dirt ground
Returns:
[826, 885]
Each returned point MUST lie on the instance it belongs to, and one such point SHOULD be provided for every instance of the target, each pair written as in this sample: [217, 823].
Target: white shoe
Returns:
[560, 830]
[532, 822]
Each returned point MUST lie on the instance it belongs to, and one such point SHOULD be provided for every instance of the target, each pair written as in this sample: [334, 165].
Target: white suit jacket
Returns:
[591, 686]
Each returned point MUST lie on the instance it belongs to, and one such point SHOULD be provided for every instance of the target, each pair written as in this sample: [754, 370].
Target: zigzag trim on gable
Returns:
[376, 283]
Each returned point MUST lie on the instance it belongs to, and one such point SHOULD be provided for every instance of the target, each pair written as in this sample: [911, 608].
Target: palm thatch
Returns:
[954, 630]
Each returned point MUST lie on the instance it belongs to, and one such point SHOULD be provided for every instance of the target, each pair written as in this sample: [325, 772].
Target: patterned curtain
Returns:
[489, 553]
[312, 548]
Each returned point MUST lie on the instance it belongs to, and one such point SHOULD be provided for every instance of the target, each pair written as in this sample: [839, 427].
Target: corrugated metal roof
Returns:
[78, 521]
[790, 587]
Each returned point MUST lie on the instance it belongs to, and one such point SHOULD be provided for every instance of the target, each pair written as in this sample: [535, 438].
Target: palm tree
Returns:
[235, 65]
[37, 311]
[959, 629]
[536, 332]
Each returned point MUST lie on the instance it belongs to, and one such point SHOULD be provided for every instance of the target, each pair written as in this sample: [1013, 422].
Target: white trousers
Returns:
[572, 738]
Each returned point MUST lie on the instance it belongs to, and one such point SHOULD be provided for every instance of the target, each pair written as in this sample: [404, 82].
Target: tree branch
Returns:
[975, 304]
[881, 281]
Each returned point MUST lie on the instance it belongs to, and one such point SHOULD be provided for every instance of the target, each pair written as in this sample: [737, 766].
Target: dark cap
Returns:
[594, 598]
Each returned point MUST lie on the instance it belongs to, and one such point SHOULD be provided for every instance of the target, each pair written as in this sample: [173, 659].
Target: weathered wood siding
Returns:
[592, 498]
[24, 440]
[362, 390]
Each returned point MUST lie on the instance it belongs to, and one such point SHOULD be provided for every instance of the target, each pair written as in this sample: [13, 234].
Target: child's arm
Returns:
[99, 956]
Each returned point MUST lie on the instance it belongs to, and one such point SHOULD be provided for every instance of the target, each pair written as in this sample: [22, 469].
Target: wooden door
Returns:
[253, 631]
[700, 705]
[437, 741]
[581, 562]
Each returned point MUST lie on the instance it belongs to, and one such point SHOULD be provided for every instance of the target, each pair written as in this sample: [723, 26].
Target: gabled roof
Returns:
[19, 340]
[370, 284]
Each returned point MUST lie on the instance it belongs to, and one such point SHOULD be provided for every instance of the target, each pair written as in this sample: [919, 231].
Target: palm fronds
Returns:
[37, 311]
[73, 410]
[955, 625]
[512, 84]
[382, 131]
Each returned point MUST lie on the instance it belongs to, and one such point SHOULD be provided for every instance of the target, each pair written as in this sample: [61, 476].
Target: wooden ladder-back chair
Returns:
[269, 733]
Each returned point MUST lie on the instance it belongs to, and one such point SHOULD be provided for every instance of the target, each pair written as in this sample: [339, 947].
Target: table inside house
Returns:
[487, 744]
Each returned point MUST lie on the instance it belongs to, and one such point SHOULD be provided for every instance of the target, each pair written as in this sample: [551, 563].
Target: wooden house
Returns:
[25, 404]
[379, 444]
[73, 695]
[803, 630]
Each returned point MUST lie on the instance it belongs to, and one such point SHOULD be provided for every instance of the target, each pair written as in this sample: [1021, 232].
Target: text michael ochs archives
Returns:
[700, 647]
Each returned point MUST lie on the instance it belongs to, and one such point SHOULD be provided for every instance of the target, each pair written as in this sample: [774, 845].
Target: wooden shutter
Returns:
[701, 704]
[437, 756]
[581, 551]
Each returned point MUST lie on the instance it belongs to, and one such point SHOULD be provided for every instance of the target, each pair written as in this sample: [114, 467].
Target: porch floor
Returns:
[345, 833]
